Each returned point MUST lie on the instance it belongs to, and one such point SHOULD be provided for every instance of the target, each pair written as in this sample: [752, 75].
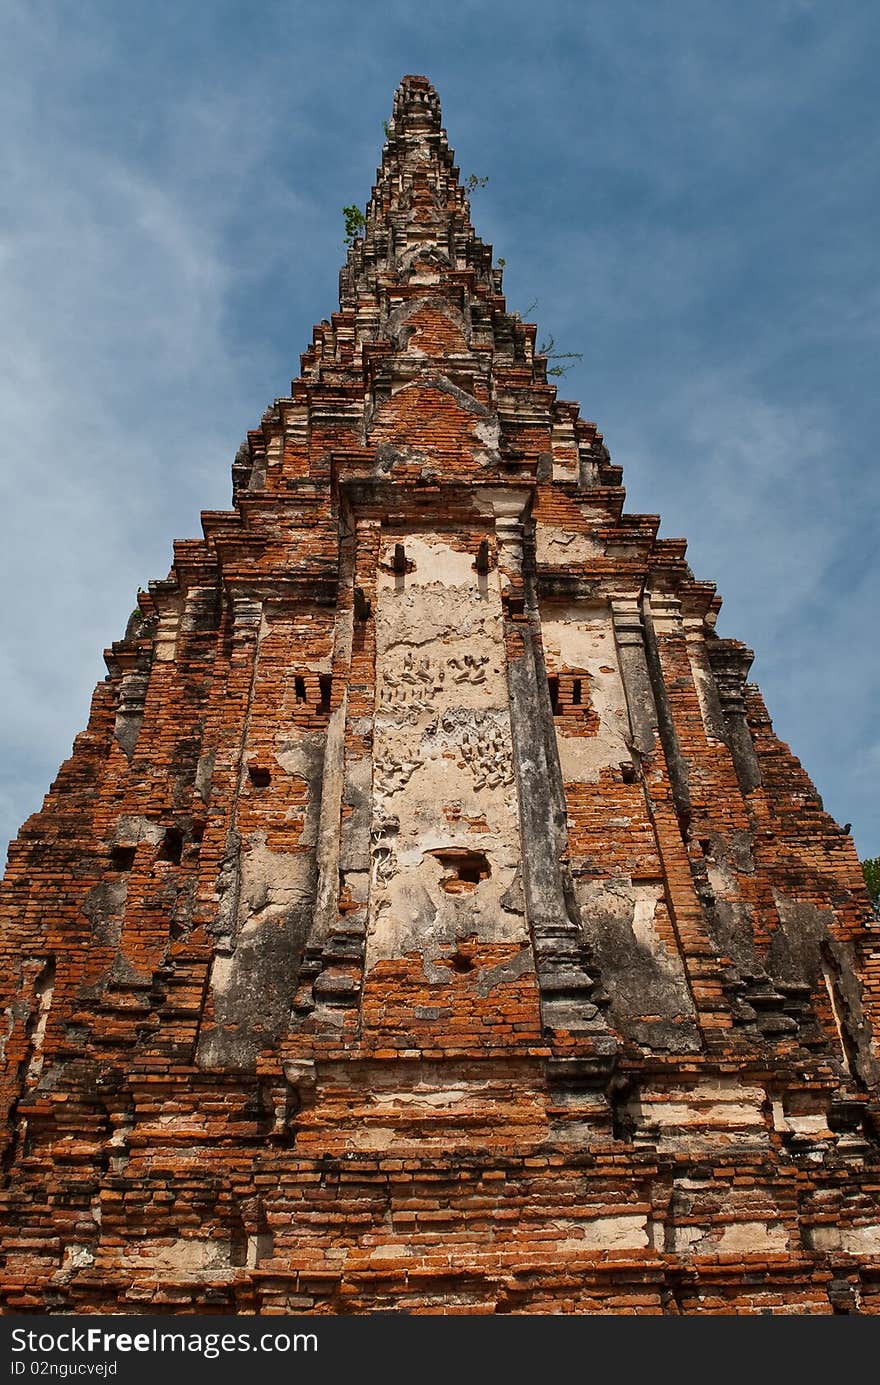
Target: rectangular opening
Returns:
[465, 868]
[576, 692]
[473, 869]
[172, 846]
[259, 776]
[325, 685]
[122, 857]
[299, 688]
[553, 684]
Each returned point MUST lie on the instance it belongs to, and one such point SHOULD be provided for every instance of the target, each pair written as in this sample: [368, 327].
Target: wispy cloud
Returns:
[766, 501]
[122, 389]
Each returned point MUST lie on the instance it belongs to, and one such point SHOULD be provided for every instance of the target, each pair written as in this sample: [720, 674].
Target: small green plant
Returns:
[871, 872]
[355, 221]
[500, 263]
[472, 182]
[548, 349]
[387, 128]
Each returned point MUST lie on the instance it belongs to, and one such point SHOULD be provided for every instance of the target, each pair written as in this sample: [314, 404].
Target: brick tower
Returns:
[429, 918]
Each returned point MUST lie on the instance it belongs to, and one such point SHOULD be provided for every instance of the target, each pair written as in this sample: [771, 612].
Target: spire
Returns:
[418, 216]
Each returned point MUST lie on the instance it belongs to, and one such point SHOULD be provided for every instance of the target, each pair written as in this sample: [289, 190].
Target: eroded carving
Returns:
[419, 681]
[382, 849]
[393, 774]
[483, 743]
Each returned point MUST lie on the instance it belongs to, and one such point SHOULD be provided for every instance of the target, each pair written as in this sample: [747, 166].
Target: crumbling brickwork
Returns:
[428, 917]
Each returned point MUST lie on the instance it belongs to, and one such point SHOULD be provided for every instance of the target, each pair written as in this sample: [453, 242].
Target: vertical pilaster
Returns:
[219, 889]
[332, 974]
[668, 797]
[630, 637]
[566, 986]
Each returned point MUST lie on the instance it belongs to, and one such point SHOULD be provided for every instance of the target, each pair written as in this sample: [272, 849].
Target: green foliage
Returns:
[472, 182]
[355, 221]
[387, 128]
[548, 349]
[500, 263]
[871, 872]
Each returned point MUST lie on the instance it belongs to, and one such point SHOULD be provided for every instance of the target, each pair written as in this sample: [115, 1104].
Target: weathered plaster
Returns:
[443, 770]
[577, 639]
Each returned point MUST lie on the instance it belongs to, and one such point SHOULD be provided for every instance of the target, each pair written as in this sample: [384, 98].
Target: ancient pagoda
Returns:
[429, 918]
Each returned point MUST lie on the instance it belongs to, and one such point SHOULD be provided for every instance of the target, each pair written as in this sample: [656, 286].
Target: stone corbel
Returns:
[665, 612]
[730, 662]
[630, 637]
[130, 708]
[704, 681]
[247, 614]
[661, 616]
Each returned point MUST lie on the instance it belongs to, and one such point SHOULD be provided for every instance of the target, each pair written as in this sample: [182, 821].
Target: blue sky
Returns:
[688, 190]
